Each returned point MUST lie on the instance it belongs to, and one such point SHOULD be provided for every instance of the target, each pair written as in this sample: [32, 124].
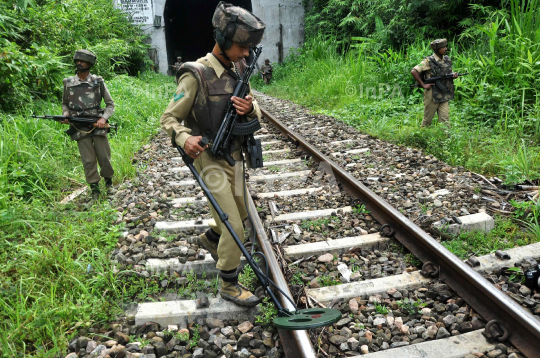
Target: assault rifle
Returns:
[75, 120]
[437, 80]
[230, 127]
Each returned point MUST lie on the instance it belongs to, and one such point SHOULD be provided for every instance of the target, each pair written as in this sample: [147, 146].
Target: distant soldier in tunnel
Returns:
[436, 100]
[266, 71]
[82, 97]
[204, 89]
[176, 67]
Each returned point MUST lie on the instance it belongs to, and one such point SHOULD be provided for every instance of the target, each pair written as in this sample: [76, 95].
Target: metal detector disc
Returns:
[308, 319]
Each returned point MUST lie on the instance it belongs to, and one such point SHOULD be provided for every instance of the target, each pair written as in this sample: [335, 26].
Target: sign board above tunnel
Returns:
[141, 11]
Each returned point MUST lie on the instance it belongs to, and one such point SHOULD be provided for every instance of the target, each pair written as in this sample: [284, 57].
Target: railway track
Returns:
[330, 242]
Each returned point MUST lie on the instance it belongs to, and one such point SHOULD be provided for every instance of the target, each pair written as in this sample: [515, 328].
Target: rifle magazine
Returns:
[246, 128]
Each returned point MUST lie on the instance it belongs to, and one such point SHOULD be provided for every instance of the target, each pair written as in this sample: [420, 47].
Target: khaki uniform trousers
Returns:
[95, 150]
[226, 185]
[431, 107]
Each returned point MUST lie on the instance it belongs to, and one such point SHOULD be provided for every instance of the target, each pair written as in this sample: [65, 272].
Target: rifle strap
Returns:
[80, 130]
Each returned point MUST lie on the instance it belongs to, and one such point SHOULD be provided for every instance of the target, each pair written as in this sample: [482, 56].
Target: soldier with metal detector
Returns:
[201, 99]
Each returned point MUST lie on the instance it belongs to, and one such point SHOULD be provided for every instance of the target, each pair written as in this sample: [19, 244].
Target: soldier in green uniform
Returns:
[435, 99]
[266, 71]
[82, 97]
[204, 89]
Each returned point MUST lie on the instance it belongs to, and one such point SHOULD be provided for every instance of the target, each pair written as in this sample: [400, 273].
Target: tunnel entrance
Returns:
[188, 27]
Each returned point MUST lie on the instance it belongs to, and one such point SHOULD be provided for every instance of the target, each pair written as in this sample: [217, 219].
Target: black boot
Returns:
[95, 194]
[109, 186]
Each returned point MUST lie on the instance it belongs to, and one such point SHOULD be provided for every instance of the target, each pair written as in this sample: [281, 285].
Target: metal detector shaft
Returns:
[225, 219]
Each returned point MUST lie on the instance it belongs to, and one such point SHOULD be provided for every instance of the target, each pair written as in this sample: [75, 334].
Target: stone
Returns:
[343, 322]
[353, 305]
[99, 349]
[244, 339]
[90, 346]
[149, 349]
[494, 353]
[379, 321]
[364, 349]
[430, 333]
[314, 283]
[524, 290]
[214, 323]
[244, 353]
[399, 344]
[442, 333]
[273, 353]
[245, 327]
[353, 343]
[82, 342]
[122, 338]
[227, 331]
[449, 320]
[369, 336]
[326, 258]
[337, 339]
[198, 353]
[118, 351]
[71, 355]
[227, 350]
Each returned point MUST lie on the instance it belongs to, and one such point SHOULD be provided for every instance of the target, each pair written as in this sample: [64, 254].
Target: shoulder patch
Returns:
[178, 96]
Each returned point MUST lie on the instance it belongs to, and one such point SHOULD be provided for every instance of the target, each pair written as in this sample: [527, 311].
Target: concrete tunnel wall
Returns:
[287, 13]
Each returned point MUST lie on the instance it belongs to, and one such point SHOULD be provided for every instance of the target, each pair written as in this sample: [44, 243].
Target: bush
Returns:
[38, 40]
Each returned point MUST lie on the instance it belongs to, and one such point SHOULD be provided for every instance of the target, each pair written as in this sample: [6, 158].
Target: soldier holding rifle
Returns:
[436, 95]
[201, 99]
[82, 97]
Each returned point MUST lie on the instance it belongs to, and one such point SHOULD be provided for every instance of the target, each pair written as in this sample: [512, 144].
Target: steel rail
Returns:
[482, 296]
[296, 344]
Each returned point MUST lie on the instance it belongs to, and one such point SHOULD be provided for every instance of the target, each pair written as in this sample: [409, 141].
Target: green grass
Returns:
[326, 280]
[317, 224]
[495, 117]
[506, 235]
[55, 270]
[268, 312]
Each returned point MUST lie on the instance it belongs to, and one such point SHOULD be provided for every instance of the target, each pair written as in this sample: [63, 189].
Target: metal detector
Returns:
[299, 319]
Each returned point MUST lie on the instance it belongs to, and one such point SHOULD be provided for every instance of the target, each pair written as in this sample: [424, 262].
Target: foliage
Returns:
[495, 115]
[411, 307]
[248, 278]
[506, 235]
[516, 274]
[38, 39]
[268, 312]
[38, 160]
[360, 209]
[389, 22]
[326, 280]
[379, 308]
[55, 268]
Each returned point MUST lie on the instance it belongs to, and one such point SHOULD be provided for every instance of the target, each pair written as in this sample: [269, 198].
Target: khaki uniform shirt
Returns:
[183, 99]
[109, 103]
[425, 66]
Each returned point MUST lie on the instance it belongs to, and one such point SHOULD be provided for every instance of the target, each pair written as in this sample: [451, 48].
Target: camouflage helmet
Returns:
[84, 55]
[437, 44]
[236, 24]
